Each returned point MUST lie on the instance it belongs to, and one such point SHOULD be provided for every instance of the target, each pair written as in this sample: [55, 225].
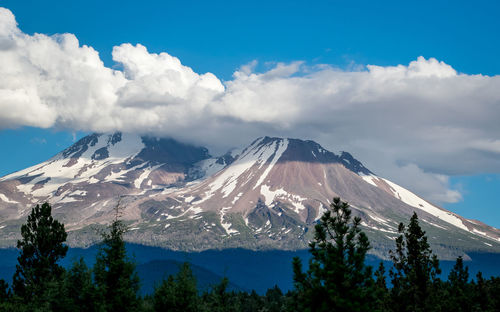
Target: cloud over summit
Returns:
[415, 123]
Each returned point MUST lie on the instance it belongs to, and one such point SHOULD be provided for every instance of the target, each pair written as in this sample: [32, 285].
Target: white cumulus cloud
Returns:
[416, 124]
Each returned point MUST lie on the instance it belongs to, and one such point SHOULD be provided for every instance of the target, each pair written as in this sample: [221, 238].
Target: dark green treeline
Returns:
[335, 279]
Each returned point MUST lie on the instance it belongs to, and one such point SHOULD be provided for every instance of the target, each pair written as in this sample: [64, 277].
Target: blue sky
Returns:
[220, 37]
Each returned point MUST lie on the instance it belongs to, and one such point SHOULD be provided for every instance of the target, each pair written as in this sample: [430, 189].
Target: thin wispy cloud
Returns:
[416, 124]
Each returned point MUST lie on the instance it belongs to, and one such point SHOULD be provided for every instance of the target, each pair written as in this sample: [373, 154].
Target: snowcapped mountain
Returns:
[83, 181]
[267, 195]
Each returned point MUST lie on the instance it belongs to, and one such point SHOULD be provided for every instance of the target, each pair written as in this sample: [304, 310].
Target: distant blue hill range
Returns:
[246, 270]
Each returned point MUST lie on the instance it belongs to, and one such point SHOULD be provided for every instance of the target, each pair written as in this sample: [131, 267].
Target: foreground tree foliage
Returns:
[115, 277]
[458, 288]
[38, 276]
[82, 293]
[415, 271]
[337, 278]
[179, 293]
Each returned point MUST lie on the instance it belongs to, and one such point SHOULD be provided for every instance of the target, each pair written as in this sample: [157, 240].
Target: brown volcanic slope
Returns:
[268, 195]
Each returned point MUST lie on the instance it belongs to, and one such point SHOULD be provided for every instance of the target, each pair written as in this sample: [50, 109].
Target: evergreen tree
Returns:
[250, 302]
[114, 273]
[177, 294]
[494, 292]
[481, 296]
[381, 290]
[4, 291]
[80, 289]
[5, 297]
[274, 300]
[38, 275]
[415, 270]
[337, 278]
[380, 277]
[219, 299]
[458, 289]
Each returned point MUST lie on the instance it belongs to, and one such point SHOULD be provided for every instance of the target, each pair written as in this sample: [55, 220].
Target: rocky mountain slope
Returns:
[265, 196]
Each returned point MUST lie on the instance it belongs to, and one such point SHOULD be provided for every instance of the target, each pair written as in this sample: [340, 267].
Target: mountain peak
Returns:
[312, 152]
[353, 164]
[145, 148]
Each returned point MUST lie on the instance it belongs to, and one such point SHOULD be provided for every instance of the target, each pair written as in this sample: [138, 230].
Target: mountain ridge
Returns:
[264, 196]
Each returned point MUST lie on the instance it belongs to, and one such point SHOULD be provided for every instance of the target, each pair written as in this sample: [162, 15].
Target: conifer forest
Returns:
[335, 279]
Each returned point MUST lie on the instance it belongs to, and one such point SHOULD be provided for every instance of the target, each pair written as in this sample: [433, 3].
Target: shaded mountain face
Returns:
[268, 195]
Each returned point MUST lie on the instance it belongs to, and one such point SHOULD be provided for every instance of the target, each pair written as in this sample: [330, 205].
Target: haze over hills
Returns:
[267, 195]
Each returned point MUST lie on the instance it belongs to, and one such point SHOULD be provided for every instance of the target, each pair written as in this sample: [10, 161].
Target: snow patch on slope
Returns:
[193, 210]
[5, 199]
[145, 175]
[321, 210]
[119, 175]
[226, 226]
[235, 199]
[227, 179]
[266, 151]
[270, 196]
[57, 171]
[378, 228]
[434, 224]
[368, 178]
[415, 201]
[380, 220]
[283, 145]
